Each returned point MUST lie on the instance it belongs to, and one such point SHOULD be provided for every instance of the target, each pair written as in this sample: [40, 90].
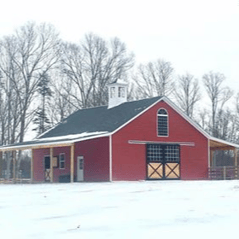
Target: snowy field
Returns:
[158, 209]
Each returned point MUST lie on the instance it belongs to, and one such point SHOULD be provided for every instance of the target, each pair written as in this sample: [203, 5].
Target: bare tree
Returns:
[61, 104]
[203, 119]
[9, 112]
[235, 121]
[218, 95]
[91, 65]
[31, 50]
[224, 119]
[154, 79]
[187, 93]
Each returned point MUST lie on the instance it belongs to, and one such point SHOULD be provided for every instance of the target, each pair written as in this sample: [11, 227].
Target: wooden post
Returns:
[211, 158]
[32, 167]
[224, 172]
[51, 163]
[72, 163]
[14, 165]
[235, 155]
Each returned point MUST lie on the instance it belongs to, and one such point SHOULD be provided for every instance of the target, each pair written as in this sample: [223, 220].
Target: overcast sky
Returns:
[195, 36]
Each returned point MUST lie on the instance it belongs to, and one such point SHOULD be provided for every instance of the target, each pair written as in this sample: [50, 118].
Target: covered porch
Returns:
[220, 168]
[15, 148]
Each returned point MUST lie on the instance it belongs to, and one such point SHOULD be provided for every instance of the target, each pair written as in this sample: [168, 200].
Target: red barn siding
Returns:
[96, 155]
[57, 172]
[38, 165]
[96, 158]
[129, 161]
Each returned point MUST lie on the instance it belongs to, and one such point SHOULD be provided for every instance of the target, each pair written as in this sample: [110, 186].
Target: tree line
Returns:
[43, 79]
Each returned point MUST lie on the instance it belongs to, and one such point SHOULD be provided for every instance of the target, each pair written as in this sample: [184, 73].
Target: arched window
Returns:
[162, 122]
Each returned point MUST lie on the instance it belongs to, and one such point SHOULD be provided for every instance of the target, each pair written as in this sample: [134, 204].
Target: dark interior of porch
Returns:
[223, 161]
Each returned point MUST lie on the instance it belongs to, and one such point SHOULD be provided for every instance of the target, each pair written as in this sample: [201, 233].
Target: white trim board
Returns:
[160, 142]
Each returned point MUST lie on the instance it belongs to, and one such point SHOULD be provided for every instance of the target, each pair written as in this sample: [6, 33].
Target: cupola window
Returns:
[122, 92]
[112, 92]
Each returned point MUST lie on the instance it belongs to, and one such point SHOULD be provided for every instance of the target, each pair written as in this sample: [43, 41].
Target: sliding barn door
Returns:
[163, 161]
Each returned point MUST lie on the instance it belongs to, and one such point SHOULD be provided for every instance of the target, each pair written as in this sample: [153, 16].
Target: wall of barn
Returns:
[39, 163]
[96, 158]
[129, 160]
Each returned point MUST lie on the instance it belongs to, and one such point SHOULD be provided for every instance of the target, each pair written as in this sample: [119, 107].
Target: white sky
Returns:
[195, 36]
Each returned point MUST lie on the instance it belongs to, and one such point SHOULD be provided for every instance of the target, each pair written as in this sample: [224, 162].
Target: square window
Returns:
[62, 161]
[121, 92]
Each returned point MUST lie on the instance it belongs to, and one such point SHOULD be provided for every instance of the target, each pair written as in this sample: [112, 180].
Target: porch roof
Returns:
[219, 144]
[50, 142]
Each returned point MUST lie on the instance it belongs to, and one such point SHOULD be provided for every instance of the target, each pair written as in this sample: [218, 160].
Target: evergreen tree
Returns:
[41, 119]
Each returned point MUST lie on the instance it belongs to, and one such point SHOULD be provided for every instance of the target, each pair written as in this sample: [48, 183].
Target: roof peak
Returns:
[118, 81]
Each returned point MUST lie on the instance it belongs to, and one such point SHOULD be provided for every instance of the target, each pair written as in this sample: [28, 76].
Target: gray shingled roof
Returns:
[100, 118]
[92, 121]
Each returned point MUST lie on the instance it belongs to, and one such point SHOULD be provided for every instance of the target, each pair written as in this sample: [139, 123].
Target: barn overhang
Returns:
[41, 146]
[222, 172]
[218, 144]
[51, 143]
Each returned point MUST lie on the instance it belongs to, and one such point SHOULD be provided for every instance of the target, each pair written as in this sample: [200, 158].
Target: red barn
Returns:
[138, 140]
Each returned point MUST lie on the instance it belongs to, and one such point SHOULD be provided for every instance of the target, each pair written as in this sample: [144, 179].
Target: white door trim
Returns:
[80, 168]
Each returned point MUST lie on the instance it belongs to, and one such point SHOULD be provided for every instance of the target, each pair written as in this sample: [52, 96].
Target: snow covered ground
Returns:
[158, 209]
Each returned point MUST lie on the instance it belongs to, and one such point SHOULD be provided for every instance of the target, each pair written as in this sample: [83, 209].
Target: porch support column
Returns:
[51, 164]
[32, 162]
[211, 158]
[235, 155]
[72, 162]
[14, 165]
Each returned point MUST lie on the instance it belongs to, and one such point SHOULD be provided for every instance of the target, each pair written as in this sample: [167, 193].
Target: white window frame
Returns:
[121, 92]
[61, 160]
[167, 123]
[112, 92]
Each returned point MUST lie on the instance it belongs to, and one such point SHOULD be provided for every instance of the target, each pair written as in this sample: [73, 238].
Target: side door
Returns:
[80, 168]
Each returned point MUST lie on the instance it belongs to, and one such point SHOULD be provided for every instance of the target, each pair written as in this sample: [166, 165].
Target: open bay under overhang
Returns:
[42, 145]
[222, 172]
[217, 144]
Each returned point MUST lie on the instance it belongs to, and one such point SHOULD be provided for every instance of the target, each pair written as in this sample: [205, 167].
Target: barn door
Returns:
[47, 168]
[163, 161]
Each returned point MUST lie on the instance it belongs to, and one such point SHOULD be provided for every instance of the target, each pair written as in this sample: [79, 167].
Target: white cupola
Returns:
[117, 93]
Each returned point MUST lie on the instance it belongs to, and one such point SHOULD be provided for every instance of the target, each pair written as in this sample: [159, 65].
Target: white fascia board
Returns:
[179, 111]
[72, 136]
[196, 125]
